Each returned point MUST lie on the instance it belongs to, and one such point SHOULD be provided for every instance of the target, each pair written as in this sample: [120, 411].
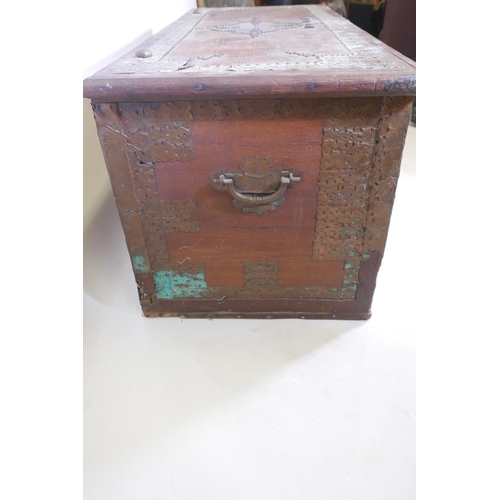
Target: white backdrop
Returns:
[116, 27]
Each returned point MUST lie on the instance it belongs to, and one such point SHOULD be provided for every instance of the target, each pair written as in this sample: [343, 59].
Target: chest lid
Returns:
[296, 51]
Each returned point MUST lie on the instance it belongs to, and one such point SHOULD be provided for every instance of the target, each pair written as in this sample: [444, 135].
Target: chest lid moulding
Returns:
[254, 155]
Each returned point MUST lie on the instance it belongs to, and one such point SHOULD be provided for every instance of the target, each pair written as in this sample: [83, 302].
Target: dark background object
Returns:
[367, 17]
[361, 14]
[399, 31]
[225, 3]
[288, 2]
[377, 22]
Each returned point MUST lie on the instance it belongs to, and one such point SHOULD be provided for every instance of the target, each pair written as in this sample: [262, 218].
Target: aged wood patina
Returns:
[254, 155]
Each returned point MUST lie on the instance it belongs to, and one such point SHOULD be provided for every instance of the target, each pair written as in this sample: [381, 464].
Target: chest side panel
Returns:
[196, 243]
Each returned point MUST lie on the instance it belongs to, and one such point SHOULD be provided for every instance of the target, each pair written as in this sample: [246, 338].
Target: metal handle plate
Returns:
[287, 180]
[256, 187]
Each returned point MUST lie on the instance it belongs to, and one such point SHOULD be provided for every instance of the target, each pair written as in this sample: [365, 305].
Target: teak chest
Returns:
[254, 155]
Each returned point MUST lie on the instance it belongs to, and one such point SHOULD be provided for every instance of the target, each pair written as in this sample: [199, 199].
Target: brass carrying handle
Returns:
[287, 180]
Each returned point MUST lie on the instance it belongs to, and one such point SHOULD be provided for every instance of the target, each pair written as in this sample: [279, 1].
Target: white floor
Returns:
[249, 409]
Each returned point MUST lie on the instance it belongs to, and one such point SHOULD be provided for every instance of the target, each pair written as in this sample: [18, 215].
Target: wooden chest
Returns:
[254, 155]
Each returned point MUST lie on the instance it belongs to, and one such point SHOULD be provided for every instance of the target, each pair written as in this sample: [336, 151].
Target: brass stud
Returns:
[144, 53]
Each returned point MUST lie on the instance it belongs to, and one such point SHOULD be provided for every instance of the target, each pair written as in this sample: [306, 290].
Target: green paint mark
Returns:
[366, 256]
[170, 284]
[378, 235]
[140, 264]
[347, 265]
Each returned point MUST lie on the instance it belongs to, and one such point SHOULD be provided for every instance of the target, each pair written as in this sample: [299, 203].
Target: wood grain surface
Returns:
[287, 51]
